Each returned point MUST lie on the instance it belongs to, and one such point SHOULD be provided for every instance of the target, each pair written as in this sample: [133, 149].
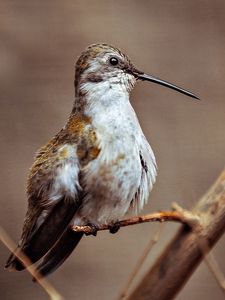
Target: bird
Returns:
[96, 169]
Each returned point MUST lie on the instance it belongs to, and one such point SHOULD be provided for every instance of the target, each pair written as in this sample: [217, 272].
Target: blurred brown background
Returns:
[180, 41]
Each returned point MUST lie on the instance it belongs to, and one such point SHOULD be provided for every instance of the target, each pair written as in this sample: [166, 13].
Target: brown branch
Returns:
[181, 216]
[184, 253]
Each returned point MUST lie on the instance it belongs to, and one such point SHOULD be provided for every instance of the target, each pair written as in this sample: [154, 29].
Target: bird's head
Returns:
[103, 63]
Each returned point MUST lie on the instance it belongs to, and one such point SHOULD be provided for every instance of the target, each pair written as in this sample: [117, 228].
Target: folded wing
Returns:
[54, 195]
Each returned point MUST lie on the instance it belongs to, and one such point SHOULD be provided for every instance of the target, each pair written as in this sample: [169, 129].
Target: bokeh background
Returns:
[180, 41]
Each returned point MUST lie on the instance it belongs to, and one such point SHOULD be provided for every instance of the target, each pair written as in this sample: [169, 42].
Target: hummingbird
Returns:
[96, 169]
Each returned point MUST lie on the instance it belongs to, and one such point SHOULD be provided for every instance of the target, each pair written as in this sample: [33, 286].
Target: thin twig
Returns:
[215, 270]
[140, 262]
[49, 289]
[181, 216]
[211, 262]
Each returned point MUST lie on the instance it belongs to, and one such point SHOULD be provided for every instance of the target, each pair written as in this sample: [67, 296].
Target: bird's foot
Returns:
[114, 227]
[94, 229]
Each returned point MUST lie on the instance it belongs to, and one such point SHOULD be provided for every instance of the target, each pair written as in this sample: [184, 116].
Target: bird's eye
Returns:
[114, 61]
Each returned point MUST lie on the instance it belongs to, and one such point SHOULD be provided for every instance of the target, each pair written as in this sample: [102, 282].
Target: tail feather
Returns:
[44, 237]
[60, 252]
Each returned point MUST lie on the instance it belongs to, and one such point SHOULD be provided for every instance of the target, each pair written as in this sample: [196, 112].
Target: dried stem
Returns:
[49, 289]
[215, 270]
[212, 263]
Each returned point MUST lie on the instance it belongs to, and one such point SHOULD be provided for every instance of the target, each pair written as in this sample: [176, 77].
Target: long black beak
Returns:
[143, 76]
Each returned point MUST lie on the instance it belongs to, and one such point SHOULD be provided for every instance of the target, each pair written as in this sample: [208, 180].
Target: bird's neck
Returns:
[107, 105]
[100, 98]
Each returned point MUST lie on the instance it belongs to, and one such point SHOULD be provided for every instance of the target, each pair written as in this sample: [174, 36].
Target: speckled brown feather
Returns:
[48, 159]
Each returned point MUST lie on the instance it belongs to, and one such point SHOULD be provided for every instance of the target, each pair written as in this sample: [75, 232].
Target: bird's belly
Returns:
[110, 187]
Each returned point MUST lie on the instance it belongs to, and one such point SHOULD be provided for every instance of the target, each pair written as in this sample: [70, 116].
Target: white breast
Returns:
[114, 178]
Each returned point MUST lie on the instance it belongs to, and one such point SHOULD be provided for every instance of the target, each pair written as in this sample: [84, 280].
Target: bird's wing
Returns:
[54, 196]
